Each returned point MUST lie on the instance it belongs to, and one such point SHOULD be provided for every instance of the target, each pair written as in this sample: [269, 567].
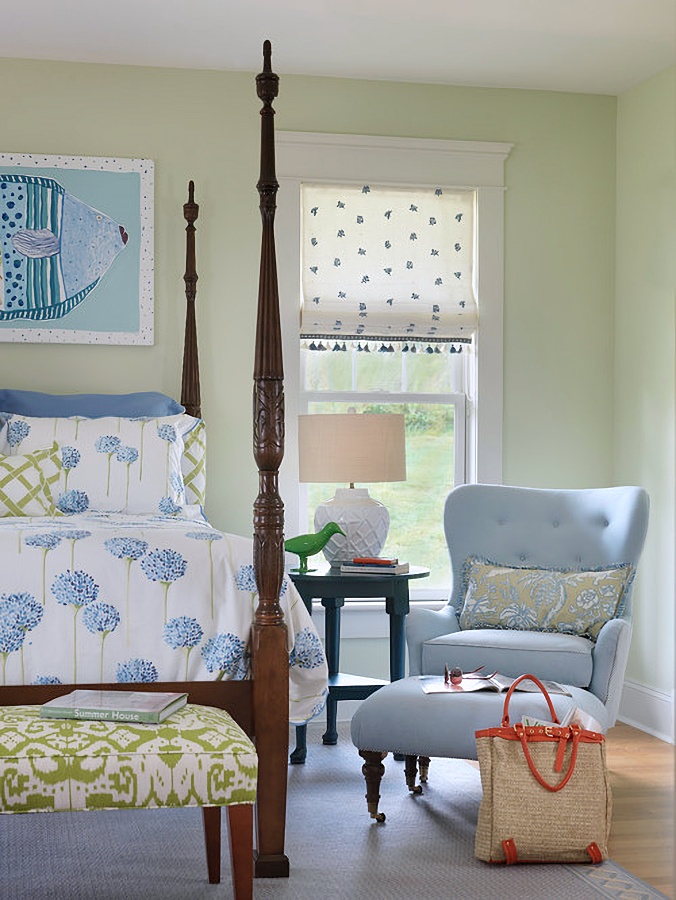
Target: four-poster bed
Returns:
[250, 681]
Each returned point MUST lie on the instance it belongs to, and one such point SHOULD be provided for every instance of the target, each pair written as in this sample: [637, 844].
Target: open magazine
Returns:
[437, 684]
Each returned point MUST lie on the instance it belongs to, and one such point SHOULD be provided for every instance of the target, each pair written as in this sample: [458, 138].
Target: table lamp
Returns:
[352, 447]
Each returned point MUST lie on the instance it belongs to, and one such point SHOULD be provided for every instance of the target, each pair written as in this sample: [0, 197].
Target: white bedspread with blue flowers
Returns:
[105, 597]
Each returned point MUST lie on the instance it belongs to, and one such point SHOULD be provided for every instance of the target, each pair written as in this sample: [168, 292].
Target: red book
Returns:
[373, 561]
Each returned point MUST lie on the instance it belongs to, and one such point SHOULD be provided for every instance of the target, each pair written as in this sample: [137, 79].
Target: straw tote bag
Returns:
[546, 792]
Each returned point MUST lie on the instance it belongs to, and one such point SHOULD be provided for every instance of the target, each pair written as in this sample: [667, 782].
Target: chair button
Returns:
[555, 523]
[522, 556]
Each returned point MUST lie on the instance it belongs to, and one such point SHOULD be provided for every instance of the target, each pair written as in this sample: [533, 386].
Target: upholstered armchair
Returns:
[541, 583]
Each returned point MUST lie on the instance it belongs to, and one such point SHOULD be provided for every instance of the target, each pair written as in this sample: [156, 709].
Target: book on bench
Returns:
[147, 707]
[436, 684]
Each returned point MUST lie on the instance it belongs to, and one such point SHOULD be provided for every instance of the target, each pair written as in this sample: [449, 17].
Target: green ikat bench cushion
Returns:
[198, 756]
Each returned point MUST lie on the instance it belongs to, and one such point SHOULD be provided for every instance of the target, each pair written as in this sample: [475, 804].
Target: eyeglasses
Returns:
[455, 675]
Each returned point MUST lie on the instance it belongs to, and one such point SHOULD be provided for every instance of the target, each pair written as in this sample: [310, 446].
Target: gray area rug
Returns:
[424, 851]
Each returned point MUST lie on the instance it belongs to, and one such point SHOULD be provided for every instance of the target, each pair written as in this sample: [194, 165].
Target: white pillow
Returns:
[108, 464]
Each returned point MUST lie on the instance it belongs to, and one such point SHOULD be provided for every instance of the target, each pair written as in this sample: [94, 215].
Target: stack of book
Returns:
[373, 565]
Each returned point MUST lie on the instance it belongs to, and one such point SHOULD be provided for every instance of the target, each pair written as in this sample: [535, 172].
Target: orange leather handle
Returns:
[505, 711]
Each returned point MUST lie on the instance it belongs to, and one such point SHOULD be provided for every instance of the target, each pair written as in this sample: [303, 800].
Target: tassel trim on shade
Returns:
[324, 342]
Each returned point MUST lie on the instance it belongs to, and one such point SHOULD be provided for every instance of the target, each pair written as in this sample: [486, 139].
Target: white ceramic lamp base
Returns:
[364, 520]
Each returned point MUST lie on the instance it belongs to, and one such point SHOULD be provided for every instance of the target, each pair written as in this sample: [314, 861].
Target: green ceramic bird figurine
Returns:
[305, 545]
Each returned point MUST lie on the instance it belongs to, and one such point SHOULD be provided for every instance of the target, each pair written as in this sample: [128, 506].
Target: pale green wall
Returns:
[204, 125]
[645, 358]
[559, 263]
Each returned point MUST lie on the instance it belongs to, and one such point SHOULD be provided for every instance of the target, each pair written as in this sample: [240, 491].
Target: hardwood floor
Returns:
[642, 779]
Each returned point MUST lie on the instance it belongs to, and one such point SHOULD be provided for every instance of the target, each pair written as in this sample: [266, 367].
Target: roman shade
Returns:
[387, 266]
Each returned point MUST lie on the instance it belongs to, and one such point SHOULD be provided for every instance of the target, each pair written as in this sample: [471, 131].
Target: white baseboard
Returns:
[649, 710]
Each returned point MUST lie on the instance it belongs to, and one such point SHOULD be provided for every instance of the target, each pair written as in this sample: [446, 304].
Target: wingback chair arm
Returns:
[423, 625]
[610, 656]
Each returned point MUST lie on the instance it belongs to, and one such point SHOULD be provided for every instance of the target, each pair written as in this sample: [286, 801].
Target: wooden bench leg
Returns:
[240, 834]
[240, 831]
[211, 818]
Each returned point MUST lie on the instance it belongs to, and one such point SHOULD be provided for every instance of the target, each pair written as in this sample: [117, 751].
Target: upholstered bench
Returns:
[197, 757]
[401, 718]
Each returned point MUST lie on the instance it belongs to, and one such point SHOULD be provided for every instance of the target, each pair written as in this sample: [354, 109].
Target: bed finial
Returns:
[190, 384]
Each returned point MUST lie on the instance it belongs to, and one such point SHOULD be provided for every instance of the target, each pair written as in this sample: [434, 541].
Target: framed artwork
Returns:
[77, 249]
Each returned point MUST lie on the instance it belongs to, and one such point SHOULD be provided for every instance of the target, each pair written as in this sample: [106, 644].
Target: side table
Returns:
[333, 588]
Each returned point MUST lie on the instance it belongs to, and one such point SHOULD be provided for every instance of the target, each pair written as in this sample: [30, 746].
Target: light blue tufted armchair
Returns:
[551, 529]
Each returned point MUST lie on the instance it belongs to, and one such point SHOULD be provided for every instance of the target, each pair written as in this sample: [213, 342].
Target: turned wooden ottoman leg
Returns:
[424, 763]
[373, 770]
[410, 771]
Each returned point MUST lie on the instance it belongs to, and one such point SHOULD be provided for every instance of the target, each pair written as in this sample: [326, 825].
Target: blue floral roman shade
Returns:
[392, 266]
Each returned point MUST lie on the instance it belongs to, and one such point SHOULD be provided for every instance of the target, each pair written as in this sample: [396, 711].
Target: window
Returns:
[426, 364]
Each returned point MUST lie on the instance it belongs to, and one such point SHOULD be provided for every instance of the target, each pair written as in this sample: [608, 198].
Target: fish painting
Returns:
[55, 248]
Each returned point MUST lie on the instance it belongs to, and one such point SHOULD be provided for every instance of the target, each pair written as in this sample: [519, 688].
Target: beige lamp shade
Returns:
[349, 448]
[352, 448]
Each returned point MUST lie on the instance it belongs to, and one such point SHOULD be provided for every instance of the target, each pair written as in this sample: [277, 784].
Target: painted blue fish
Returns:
[55, 248]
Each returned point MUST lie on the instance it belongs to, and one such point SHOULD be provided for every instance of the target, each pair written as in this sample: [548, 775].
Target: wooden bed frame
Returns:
[259, 705]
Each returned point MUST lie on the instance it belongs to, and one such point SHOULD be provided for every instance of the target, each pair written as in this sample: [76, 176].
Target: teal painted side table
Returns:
[332, 589]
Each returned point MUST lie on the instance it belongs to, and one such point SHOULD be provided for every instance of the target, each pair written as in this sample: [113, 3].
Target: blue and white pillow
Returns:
[108, 464]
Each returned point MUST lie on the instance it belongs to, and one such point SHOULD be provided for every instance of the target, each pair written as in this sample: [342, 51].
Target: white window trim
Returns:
[475, 165]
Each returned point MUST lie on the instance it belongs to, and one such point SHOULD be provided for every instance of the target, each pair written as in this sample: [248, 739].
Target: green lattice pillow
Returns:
[193, 463]
[531, 599]
[25, 483]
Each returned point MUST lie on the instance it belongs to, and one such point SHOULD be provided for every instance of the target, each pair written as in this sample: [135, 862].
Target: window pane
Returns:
[328, 370]
[415, 505]
[428, 373]
[378, 371]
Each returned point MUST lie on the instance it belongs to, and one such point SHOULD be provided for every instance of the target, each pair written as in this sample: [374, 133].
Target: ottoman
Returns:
[197, 757]
[401, 718]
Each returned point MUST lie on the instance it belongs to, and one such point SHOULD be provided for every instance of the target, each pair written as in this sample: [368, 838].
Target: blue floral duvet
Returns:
[106, 597]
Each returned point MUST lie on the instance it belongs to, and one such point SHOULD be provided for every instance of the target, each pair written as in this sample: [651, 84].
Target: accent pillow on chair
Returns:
[569, 601]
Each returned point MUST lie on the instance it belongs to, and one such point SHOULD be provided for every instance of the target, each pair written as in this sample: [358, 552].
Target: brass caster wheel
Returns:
[379, 817]
[416, 789]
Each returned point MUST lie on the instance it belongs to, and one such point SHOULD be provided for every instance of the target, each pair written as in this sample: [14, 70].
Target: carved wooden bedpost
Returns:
[190, 385]
[269, 636]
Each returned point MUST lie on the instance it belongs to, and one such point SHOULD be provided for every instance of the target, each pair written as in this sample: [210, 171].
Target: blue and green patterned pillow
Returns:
[25, 483]
[533, 599]
[109, 464]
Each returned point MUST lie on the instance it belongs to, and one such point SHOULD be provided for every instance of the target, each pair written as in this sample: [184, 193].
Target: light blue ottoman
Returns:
[401, 718]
